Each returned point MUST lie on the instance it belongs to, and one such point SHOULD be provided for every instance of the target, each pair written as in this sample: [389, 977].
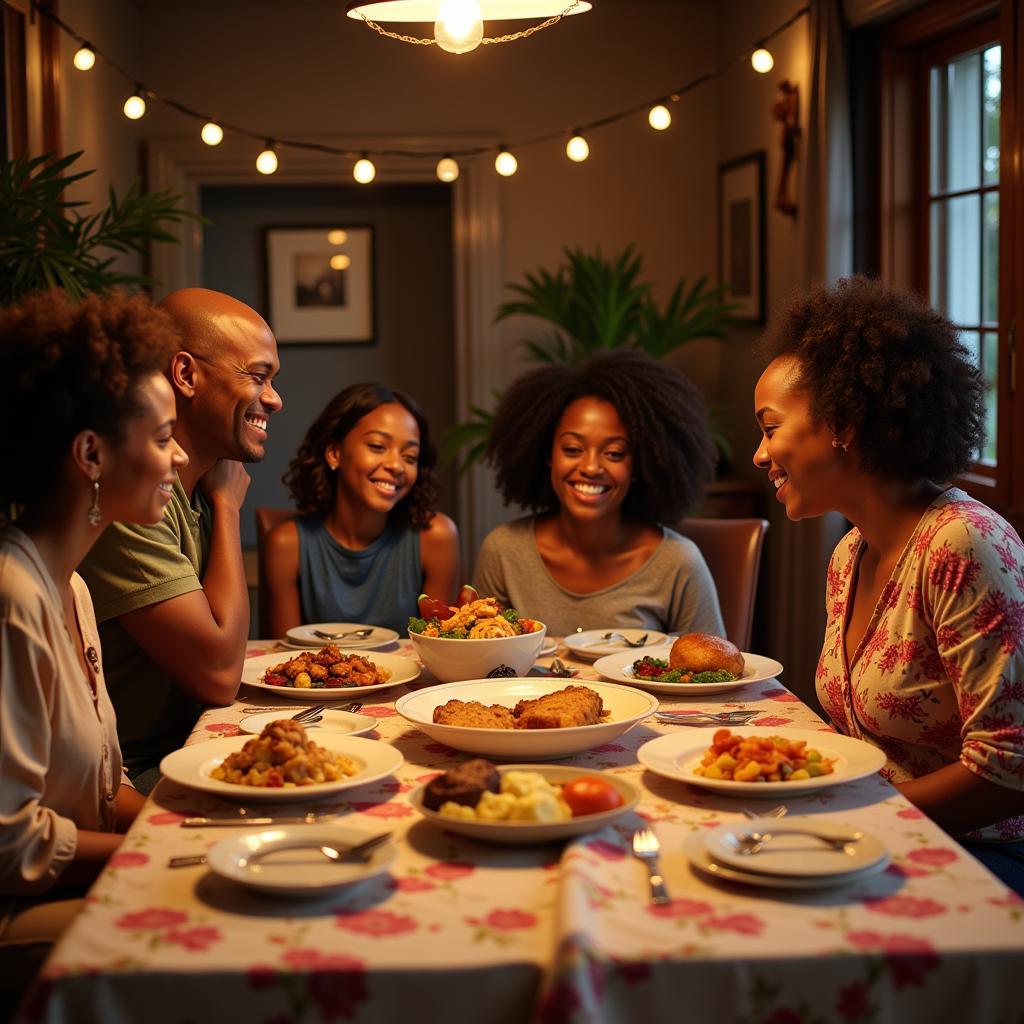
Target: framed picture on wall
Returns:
[319, 283]
[741, 241]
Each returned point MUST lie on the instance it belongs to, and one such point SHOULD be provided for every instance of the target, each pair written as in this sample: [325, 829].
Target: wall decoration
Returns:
[786, 110]
[319, 283]
[741, 241]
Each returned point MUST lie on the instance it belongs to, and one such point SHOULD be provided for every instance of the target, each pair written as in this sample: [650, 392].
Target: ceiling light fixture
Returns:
[459, 24]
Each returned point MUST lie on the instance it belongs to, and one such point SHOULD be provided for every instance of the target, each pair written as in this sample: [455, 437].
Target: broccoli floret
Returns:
[510, 615]
[453, 634]
[416, 624]
[719, 676]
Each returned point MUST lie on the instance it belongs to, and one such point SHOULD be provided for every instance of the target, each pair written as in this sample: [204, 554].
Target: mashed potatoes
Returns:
[524, 796]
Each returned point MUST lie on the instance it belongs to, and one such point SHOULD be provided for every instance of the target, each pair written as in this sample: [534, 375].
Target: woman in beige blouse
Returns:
[86, 422]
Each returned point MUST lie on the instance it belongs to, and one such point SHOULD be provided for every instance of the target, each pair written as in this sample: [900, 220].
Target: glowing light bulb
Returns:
[337, 236]
[447, 169]
[364, 172]
[266, 162]
[506, 164]
[659, 117]
[340, 261]
[134, 107]
[459, 25]
[577, 149]
[84, 58]
[212, 133]
[762, 61]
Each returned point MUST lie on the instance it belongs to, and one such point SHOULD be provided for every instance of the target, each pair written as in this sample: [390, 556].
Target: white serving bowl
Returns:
[626, 706]
[451, 661]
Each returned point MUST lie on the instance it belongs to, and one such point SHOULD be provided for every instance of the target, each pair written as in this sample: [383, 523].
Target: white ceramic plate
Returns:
[342, 723]
[626, 705]
[297, 870]
[191, 766]
[696, 850]
[403, 670]
[589, 645]
[548, 647]
[516, 832]
[303, 635]
[676, 755]
[792, 855]
[618, 668]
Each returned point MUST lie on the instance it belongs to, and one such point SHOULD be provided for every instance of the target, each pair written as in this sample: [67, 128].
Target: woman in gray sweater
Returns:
[603, 455]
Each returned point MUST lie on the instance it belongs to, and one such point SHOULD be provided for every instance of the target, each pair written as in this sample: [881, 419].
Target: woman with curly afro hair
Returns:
[603, 455]
[368, 537]
[870, 406]
[86, 425]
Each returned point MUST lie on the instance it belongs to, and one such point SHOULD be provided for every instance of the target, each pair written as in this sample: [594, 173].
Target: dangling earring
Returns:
[836, 443]
[93, 515]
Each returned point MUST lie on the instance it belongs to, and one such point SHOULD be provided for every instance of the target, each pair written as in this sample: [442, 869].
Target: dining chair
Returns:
[266, 520]
[732, 550]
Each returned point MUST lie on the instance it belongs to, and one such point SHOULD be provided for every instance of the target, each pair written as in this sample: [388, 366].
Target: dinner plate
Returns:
[676, 755]
[192, 766]
[792, 855]
[695, 848]
[304, 636]
[518, 832]
[626, 706]
[403, 670]
[618, 668]
[288, 869]
[342, 723]
[589, 645]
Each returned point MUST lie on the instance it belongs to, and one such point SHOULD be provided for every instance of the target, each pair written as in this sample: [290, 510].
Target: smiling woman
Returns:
[605, 453]
[368, 537]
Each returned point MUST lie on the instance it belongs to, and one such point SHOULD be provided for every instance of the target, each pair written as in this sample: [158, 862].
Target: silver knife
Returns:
[304, 819]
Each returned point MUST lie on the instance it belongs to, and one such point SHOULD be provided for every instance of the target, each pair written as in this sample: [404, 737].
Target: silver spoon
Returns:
[754, 842]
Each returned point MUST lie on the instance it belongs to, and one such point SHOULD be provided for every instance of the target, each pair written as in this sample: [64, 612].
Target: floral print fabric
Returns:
[939, 674]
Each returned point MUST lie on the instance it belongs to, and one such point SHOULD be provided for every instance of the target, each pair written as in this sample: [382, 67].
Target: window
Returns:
[940, 201]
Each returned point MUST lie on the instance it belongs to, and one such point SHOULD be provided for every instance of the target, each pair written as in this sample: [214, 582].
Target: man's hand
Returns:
[226, 483]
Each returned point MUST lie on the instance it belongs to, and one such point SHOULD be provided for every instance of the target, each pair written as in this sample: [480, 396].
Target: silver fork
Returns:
[341, 636]
[646, 848]
[706, 718]
[753, 842]
[313, 714]
[776, 812]
[640, 642]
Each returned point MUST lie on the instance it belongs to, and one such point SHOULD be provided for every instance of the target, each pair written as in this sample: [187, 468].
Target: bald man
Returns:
[171, 599]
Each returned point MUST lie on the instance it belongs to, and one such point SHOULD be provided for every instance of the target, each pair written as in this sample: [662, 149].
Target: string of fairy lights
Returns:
[577, 148]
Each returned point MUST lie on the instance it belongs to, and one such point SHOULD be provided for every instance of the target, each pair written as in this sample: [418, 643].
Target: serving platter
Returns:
[618, 668]
[403, 670]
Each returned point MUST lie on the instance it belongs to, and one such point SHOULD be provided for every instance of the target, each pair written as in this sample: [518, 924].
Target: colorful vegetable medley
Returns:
[480, 619]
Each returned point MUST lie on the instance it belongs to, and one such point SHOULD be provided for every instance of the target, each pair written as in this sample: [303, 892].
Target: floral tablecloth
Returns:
[461, 931]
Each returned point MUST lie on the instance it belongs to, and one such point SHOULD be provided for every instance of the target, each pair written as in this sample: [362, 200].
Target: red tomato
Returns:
[590, 794]
[432, 608]
[466, 596]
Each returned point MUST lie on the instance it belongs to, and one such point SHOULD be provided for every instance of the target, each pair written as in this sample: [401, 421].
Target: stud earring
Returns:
[94, 515]
[836, 443]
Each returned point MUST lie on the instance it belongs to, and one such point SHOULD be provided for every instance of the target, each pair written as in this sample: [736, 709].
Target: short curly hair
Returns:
[72, 366]
[311, 481]
[887, 366]
[673, 453]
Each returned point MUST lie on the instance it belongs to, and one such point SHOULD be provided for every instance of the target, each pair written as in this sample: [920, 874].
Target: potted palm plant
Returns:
[592, 303]
[46, 242]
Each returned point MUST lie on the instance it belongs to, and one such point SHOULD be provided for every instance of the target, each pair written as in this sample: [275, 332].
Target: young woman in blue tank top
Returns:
[368, 538]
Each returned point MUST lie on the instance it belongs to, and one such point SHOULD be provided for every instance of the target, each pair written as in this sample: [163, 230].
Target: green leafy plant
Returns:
[45, 242]
[591, 304]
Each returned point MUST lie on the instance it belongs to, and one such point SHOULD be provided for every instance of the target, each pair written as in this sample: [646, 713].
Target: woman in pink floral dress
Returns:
[869, 407]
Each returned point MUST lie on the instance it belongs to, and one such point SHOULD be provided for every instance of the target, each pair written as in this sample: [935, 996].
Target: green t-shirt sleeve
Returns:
[133, 566]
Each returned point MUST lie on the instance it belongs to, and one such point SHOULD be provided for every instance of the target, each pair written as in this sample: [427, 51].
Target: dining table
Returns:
[559, 933]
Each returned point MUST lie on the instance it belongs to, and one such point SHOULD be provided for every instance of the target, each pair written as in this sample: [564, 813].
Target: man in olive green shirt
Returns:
[171, 599]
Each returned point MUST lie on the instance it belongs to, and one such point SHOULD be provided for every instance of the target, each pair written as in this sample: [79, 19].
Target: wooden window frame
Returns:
[893, 137]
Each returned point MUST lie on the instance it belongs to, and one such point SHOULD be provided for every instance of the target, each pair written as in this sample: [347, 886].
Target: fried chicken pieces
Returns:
[324, 669]
[564, 709]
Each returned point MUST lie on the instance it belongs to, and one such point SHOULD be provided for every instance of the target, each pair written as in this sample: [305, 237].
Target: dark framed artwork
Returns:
[741, 239]
[319, 284]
